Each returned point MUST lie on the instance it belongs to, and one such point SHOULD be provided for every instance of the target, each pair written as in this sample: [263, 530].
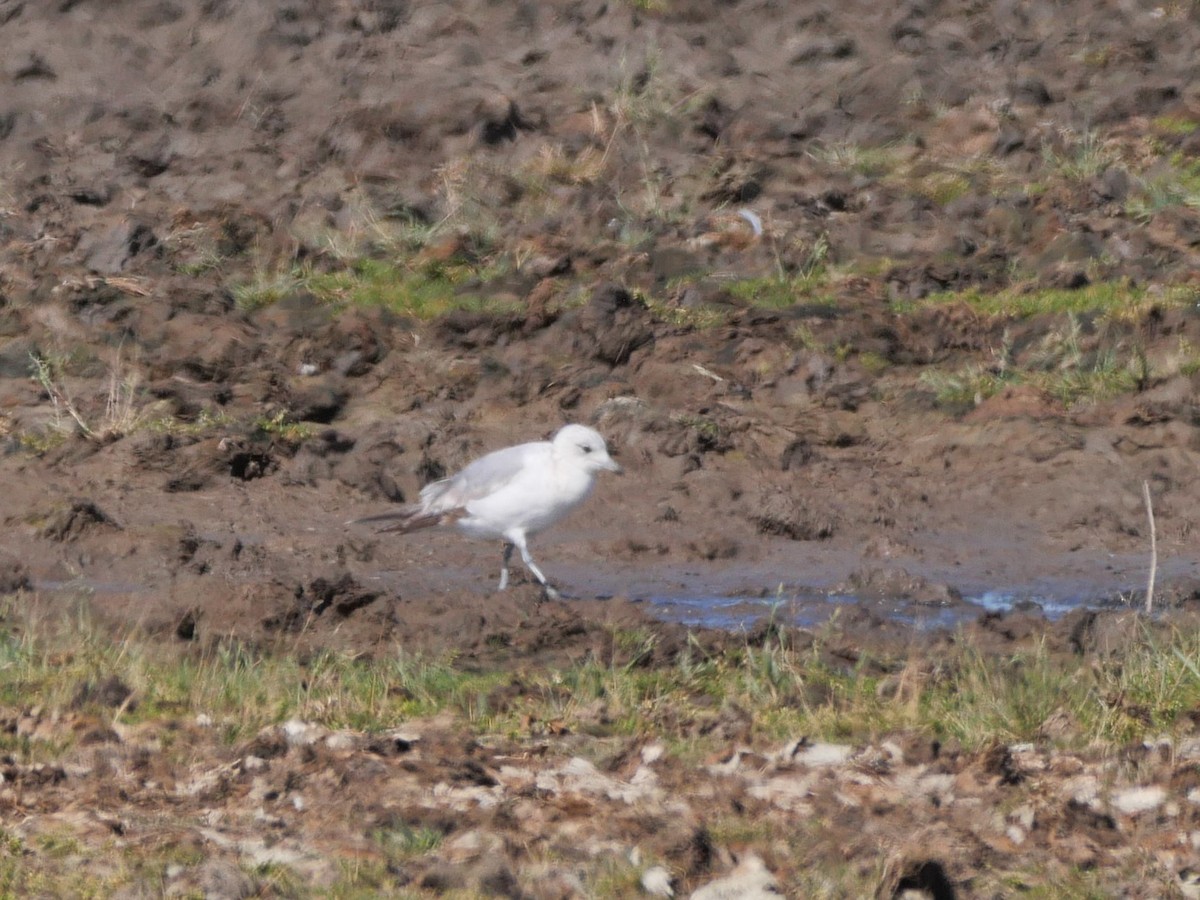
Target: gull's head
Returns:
[584, 447]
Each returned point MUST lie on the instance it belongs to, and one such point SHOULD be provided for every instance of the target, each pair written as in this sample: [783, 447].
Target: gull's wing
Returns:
[485, 476]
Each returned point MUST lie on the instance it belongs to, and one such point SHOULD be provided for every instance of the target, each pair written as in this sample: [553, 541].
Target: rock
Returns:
[495, 878]
[779, 512]
[656, 881]
[749, 880]
[1069, 252]
[444, 877]
[13, 578]
[115, 249]
[1112, 185]
[16, 358]
[613, 325]
[815, 755]
[317, 402]
[110, 692]
[1132, 801]
[498, 119]
[1032, 91]
[77, 519]
[221, 879]
[301, 734]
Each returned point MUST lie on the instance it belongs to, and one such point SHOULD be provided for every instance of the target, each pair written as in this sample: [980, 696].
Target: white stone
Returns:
[728, 767]
[341, 740]
[657, 881]
[1132, 801]
[1083, 789]
[300, 734]
[817, 755]
[940, 785]
[652, 753]
[1023, 816]
[785, 791]
[750, 880]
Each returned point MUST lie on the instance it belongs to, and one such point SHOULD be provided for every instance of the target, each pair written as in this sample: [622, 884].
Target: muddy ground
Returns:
[192, 452]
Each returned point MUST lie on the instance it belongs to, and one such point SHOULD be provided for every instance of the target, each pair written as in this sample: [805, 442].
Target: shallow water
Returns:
[736, 597]
[815, 609]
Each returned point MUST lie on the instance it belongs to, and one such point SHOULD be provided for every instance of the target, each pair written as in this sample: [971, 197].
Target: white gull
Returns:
[512, 494]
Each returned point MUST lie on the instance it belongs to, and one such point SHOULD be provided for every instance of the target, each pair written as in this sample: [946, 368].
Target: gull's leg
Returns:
[508, 549]
[532, 567]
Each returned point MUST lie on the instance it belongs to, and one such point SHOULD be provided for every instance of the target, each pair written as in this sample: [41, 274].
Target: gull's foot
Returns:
[550, 593]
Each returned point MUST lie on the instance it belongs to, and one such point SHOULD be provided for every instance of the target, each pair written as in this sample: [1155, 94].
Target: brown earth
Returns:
[597, 155]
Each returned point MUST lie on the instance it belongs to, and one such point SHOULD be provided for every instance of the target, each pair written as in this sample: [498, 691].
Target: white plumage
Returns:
[512, 494]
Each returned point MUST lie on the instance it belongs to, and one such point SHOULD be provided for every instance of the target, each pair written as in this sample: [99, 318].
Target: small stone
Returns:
[1138, 800]
[651, 753]
[817, 755]
[657, 881]
[299, 733]
[750, 880]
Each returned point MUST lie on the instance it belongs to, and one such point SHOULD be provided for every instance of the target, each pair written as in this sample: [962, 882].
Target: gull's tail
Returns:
[410, 518]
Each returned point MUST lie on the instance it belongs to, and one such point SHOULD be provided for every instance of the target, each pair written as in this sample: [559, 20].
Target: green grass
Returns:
[1143, 686]
[240, 688]
[1116, 299]
[802, 280]
[792, 690]
[1063, 366]
[871, 162]
[943, 188]
[55, 863]
[1174, 125]
[1173, 183]
[402, 841]
[203, 422]
[970, 386]
[282, 427]
[700, 318]
[424, 291]
[370, 282]
[1083, 157]
[266, 289]
[967, 387]
[1106, 376]
[781, 293]
[650, 6]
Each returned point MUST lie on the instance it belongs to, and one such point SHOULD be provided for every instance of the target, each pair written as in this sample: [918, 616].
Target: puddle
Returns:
[815, 609]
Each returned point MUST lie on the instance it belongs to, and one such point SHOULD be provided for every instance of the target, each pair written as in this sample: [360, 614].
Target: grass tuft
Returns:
[122, 414]
[1119, 300]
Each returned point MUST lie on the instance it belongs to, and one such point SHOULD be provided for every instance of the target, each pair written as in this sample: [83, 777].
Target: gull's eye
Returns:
[585, 448]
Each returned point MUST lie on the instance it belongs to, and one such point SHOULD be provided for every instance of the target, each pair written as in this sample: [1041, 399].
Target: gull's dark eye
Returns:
[585, 448]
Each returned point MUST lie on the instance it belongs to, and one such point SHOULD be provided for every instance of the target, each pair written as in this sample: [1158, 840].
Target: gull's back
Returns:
[517, 490]
[486, 476]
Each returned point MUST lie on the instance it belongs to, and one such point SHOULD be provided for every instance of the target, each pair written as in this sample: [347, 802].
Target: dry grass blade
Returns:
[134, 286]
[1153, 547]
[58, 396]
